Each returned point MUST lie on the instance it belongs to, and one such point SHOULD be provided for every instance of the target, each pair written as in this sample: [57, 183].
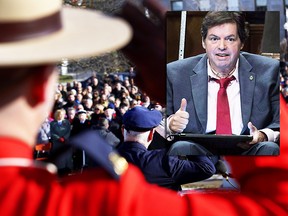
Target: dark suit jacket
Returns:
[164, 170]
[58, 131]
[108, 136]
[77, 127]
[259, 91]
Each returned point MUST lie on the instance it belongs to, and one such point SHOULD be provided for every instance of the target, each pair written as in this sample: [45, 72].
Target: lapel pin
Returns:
[251, 78]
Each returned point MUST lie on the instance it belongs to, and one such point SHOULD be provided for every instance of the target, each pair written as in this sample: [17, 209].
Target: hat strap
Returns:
[15, 31]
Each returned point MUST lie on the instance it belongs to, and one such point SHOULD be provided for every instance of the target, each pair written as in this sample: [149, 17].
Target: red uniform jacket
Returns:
[29, 190]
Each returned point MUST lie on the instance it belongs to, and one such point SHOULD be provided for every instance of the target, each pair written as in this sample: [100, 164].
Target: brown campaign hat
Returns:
[36, 32]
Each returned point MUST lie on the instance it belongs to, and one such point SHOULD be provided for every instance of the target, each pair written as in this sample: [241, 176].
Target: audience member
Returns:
[79, 98]
[95, 84]
[146, 101]
[79, 107]
[96, 96]
[62, 91]
[127, 84]
[111, 101]
[117, 103]
[104, 100]
[102, 128]
[139, 125]
[118, 89]
[98, 113]
[60, 132]
[80, 124]
[135, 94]
[58, 102]
[44, 134]
[70, 101]
[88, 106]
[71, 115]
[43, 137]
[69, 86]
[114, 126]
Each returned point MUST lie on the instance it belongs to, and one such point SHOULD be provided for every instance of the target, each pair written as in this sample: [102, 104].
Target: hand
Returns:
[258, 136]
[180, 119]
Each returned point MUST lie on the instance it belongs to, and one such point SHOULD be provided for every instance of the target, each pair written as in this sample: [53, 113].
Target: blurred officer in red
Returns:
[34, 36]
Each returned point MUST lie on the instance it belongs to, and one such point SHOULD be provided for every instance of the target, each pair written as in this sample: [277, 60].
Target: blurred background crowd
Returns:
[96, 103]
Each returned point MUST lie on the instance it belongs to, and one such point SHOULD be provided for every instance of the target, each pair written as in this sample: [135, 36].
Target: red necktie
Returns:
[223, 121]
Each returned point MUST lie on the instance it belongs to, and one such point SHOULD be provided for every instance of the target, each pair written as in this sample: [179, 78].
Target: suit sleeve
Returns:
[195, 169]
[169, 92]
[275, 99]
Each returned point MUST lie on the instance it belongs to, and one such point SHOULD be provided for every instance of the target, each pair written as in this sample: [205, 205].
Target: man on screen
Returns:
[249, 82]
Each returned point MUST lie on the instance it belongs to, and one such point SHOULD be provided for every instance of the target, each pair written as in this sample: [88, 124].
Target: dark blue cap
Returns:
[111, 105]
[141, 119]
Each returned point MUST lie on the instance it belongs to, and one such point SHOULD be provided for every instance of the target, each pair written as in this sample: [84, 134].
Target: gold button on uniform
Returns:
[119, 163]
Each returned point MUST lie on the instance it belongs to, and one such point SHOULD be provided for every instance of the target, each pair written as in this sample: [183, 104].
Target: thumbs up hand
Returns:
[180, 119]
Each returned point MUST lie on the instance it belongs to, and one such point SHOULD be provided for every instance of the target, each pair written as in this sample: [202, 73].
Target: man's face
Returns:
[79, 97]
[124, 109]
[82, 116]
[71, 114]
[222, 46]
[61, 115]
[71, 98]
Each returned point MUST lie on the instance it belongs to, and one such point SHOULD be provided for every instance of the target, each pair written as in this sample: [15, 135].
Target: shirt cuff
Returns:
[272, 136]
[161, 129]
[168, 131]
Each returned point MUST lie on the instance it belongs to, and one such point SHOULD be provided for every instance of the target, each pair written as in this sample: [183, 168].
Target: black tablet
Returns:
[217, 144]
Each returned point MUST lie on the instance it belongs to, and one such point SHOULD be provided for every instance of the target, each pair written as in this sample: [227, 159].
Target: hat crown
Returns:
[141, 119]
[34, 32]
[15, 10]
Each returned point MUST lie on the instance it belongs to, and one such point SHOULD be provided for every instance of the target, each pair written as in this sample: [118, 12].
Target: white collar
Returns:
[211, 74]
[25, 162]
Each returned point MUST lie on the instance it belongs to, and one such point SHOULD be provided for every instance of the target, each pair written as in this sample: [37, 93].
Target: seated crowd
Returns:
[99, 104]
[127, 120]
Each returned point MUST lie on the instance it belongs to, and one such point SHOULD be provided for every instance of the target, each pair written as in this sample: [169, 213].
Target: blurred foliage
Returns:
[109, 62]
[65, 78]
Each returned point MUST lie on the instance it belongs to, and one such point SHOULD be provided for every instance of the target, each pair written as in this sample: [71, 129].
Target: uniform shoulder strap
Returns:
[100, 152]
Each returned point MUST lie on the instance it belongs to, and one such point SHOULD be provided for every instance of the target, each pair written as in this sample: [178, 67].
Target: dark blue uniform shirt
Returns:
[164, 170]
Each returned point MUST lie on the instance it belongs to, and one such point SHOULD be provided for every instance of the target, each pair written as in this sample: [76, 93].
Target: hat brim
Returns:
[81, 112]
[85, 33]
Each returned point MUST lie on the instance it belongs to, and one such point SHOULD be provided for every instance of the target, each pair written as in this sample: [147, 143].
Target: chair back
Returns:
[42, 150]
